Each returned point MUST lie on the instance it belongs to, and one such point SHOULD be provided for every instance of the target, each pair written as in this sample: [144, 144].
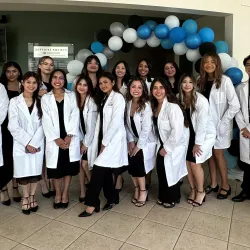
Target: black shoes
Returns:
[57, 205]
[241, 197]
[108, 206]
[6, 203]
[86, 214]
[81, 199]
[221, 196]
[210, 189]
[16, 199]
[64, 205]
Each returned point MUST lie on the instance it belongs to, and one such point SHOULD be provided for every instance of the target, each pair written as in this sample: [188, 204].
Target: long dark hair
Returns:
[3, 77]
[35, 96]
[127, 76]
[41, 61]
[144, 97]
[177, 74]
[64, 75]
[149, 69]
[169, 95]
[89, 59]
[90, 89]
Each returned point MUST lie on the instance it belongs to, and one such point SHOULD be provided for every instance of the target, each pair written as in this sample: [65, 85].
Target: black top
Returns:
[31, 107]
[207, 90]
[60, 105]
[48, 86]
[191, 128]
[133, 126]
[82, 122]
[175, 89]
[155, 121]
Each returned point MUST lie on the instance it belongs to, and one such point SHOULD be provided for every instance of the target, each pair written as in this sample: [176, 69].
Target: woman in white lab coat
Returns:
[61, 127]
[88, 116]
[202, 135]
[173, 137]
[25, 125]
[109, 153]
[140, 137]
[224, 105]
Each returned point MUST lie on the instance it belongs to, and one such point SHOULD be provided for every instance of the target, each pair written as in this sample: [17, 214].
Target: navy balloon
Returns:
[161, 31]
[152, 24]
[193, 41]
[190, 27]
[144, 32]
[177, 34]
[167, 44]
[97, 47]
[235, 74]
[206, 34]
[221, 47]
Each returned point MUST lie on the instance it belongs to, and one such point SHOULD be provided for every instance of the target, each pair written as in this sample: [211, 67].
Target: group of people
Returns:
[113, 122]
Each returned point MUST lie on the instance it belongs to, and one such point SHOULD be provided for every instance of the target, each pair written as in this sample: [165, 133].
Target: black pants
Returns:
[166, 194]
[101, 177]
[246, 177]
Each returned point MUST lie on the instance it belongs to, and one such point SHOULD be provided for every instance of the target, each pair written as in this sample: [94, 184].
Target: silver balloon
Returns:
[83, 54]
[117, 29]
[139, 43]
[108, 52]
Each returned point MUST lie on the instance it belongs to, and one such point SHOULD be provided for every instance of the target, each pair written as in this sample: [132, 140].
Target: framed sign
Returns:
[62, 53]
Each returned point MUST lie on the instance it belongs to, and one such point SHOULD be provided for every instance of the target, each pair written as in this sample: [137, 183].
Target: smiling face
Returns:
[106, 85]
[187, 85]
[136, 89]
[12, 74]
[143, 69]
[82, 87]
[120, 70]
[58, 80]
[92, 66]
[46, 66]
[30, 85]
[159, 92]
[169, 70]
[209, 65]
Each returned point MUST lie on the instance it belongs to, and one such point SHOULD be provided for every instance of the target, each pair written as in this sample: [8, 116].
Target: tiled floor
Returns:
[216, 225]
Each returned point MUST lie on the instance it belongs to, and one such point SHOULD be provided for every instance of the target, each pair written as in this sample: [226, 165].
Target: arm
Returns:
[4, 102]
[38, 138]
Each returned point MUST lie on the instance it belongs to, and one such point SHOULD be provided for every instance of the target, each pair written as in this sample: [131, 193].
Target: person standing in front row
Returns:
[243, 121]
[25, 125]
[61, 127]
[141, 138]
[109, 146]
[173, 137]
[224, 105]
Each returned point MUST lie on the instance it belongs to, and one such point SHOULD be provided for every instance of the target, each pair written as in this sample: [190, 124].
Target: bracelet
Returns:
[70, 135]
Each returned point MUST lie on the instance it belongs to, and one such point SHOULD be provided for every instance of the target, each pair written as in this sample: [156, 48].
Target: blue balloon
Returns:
[193, 41]
[206, 35]
[177, 34]
[190, 27]
[235, 74]
[167, 44]
[152, 24]
[221, 47]
[161, 31]
[97, 47]
[144, 32]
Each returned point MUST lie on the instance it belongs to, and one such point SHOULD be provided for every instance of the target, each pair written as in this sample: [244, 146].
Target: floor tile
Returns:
[74, 191]
[8, 212]
[116, 225]
[241, 211]
[154, 236]
[170, 217]
[190, 241]
[55, 235]
[236, 247]
[208, 225]
[239, 233]
[22, 247]
[6, 244]
[92, 241]
[130, 247]
[22, 226]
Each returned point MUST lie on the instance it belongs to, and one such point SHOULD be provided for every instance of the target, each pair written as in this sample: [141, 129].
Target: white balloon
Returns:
[70, 78]
[83, 54]
[108, 52]
[225, 61]
[180, 48]
[117, 29]
[139, 43]
[234, 63]
[75, 67]
[153, 41]
[193, 55]
[103, 59]
[130, 35]
[115, 43]
[172, 22]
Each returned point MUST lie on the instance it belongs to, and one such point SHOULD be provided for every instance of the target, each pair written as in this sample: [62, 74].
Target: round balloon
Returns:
[206, 35]
[103, 36]
[144, 32]
[207, 47]
[153, 41]
[193, 41]
[151, 24]
[167, 44]
[130, 35]
[126, 47]
[233, 63]
[117, 29]
[177, 35]
[83, 54]
[197, 66]
[161, 31]
[102, 58]
[221, 47]
[193, 55]
[108, 52]
[70, 78]
[172, 22]
[139, 43]
[75, 67]
[235, 74]
[180, 49]
[225, 61]
[115, 43]
[190, 27]
[97, 47]
[134, 22]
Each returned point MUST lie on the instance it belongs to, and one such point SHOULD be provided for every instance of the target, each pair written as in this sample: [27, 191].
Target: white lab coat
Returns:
[51, 127]
[149, 84]
[242, 119]
[147, 140]
[26, 129]
[115, 154]
[224, 105]
[4, 103]
[175, 138]
[90, 117]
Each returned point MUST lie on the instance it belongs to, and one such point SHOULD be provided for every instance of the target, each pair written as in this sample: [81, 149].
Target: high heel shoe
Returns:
[134, 200]
[197, 204]
[221, 196]
[86, 214]
[16, 199]
[27, 210]
[210, 189]
[81, 199]
[46, 195]
[189, 200]
[64, 205]
[32, 208]
[6, 203]
[142, 203]
[108, 206]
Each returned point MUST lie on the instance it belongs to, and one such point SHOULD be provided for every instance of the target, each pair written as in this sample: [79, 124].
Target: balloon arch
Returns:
[184, 39]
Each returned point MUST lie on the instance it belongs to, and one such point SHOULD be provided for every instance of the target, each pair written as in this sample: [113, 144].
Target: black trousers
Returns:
[246, 177]
[101, 177]
[166, 194]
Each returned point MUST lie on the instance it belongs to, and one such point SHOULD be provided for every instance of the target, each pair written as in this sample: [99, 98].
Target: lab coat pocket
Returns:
[165, 125]
[220, 97]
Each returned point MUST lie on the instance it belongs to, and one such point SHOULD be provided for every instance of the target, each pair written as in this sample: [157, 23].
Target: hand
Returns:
[67, 139]
[102, 148]
[61, 143]
[42, 92]
[131, 145]
[163, 152]
[31, 149]
[197, 150]
[245, 133]
[83, 149]
[135, 151]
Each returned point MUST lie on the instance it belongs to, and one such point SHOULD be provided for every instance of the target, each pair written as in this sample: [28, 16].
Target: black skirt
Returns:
[136, 166]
